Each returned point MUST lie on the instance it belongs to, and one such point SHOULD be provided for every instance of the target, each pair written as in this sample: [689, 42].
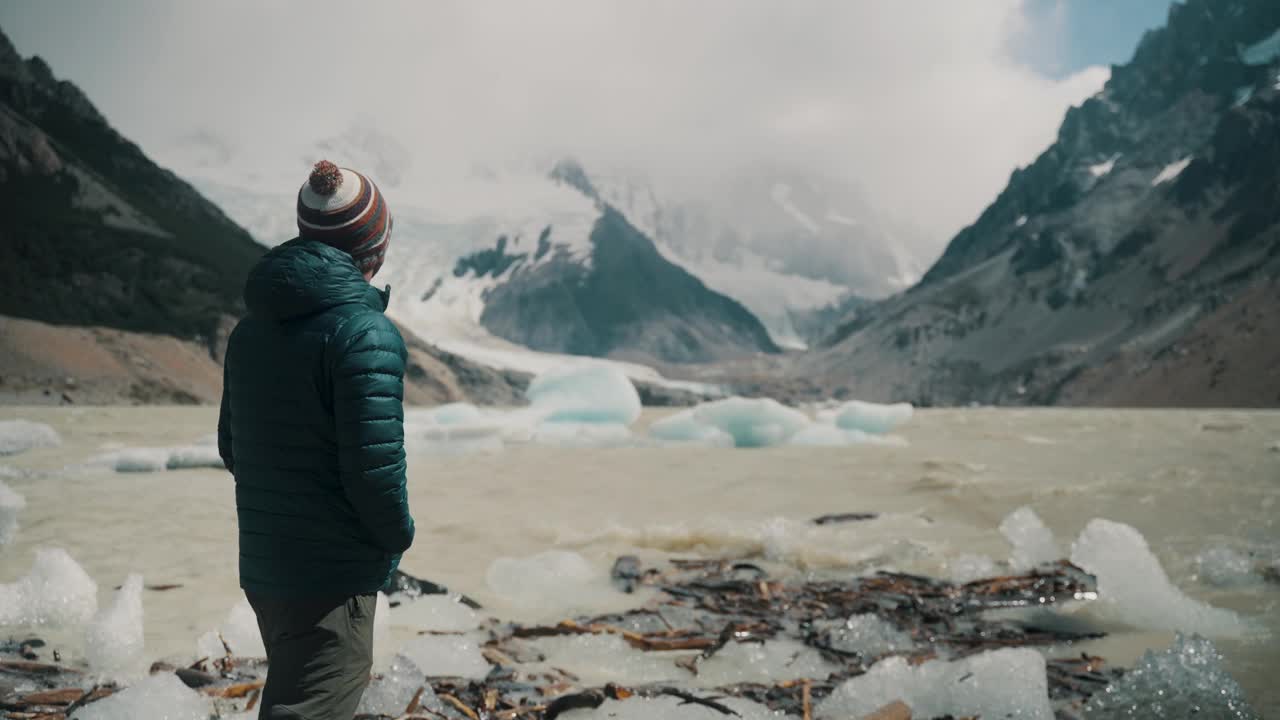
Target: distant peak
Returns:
[570, 172]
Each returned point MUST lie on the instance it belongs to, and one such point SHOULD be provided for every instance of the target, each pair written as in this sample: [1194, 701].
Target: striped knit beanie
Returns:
[343, 208]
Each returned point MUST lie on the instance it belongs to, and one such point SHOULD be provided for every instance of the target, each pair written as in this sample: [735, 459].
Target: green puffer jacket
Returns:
[312, 427]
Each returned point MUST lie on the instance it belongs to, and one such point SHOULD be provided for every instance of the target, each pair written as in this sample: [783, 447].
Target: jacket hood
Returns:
[304, 277]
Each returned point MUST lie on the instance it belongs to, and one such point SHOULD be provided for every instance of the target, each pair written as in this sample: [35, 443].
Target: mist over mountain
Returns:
[1134, 262]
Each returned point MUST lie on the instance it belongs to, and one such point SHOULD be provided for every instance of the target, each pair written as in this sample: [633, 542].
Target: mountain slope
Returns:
[118, 281]
[786, 243]
[94, 232]
[1135, 261]
[628, 302]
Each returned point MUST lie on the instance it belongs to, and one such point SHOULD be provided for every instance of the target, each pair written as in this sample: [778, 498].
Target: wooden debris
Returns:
[705, 605]
[845, 517]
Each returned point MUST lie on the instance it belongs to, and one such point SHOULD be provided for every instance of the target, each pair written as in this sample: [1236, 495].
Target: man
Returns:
[312, 427]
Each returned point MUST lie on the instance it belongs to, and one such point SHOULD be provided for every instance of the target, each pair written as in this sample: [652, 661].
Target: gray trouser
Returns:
[319, 654]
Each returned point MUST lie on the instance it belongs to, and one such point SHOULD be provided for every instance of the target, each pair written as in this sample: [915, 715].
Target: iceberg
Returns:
[1186, 680]
[583, 435]
[157, 459]
[18, 436]
[11, 504]
[585, 394]
[158, 696]
[872, 417]
[194, 456]
[1007, 683]
[57, 591]
[1032, 541]
[448, 414]
[114, 641]
[749, 422]
[1134, 589]
[684, 428]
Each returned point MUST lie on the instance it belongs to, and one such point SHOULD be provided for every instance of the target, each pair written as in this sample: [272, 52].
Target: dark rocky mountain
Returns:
[625, 300]
[94, 232]
[1135, 262]
[118, 281]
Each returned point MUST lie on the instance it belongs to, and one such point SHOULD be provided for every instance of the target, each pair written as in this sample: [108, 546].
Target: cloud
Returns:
[920, 101]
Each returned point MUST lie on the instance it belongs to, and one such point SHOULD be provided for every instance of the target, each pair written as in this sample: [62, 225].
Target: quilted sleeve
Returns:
[224, 423]
[368, 392]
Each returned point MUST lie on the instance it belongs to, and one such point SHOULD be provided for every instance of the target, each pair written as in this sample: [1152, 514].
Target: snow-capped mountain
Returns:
[499, 263]
[787, 244]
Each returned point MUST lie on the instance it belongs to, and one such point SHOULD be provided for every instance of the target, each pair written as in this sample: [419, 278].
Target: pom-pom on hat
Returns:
[340, 207]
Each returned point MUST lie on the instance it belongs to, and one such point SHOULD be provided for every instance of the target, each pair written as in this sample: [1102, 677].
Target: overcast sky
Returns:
[929, 104]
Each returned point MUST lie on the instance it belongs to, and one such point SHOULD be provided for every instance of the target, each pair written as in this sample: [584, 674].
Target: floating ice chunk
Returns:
[820, 435]
[751, 422]
[1171, 171]
[194, 456]
[144, 459]
[446, 656]
[1224, 567]
[823, 435]
[1008, 683]
[551, 579]
[870, 636]
[21, 435]
[452, 414]
[158, 697]
[391, 692]
[1186, 680]
[56, 591]
[453, 439]
[131, 460]
[583, 435]
[873, 417]
[1134, 589]
[114, 639]
[587, 393]
[683, 427]
[1032, 541]
[439, 613]
[11, 504]
[209, 645]
[1022, 220]
[240, 633]
[967, 568]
